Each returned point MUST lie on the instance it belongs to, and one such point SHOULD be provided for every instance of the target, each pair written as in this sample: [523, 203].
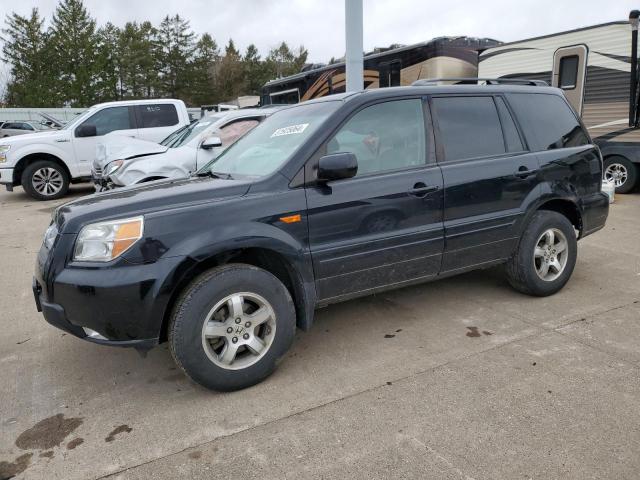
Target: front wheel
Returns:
[231, 327]
[45, 180]
[622, 172]
[546, 255]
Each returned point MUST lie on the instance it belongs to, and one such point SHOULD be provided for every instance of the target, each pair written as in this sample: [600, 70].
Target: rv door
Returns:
[569, 72]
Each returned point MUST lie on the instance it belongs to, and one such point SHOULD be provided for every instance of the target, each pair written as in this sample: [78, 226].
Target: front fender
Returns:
[62, 150]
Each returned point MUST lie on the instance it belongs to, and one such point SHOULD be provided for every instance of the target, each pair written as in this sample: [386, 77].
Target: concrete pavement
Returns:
[463, 378]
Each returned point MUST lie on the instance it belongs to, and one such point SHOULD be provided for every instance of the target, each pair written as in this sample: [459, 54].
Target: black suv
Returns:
[325, 201]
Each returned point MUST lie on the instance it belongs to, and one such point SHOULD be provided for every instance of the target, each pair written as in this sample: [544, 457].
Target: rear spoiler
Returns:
[634, 83]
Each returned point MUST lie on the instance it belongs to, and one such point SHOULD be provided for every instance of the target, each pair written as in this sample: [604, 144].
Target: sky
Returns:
[319, 24]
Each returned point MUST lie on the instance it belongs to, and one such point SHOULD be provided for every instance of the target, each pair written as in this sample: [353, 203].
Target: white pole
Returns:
[353, 37]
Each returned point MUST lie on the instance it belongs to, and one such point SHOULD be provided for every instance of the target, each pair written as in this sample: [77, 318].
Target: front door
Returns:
[489, 174]
[384, 226]
[569, 69]
[107, 120]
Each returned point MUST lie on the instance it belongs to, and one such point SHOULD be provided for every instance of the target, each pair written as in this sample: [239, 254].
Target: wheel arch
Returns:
[30, 158]
[563, 206]
[268, 259]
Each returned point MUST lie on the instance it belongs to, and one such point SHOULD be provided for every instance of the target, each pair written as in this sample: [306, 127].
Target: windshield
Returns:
[273, 142]
[185, 134]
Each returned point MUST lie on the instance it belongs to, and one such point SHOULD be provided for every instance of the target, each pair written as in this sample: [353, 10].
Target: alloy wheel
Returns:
[550, 254]
[617, 173]
[47, 181]
[239, 330]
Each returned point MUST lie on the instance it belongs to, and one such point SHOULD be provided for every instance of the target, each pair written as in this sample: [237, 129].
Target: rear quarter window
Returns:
[157, 115]
[548, 121]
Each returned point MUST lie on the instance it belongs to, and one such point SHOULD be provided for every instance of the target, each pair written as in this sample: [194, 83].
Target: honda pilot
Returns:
[325, 201]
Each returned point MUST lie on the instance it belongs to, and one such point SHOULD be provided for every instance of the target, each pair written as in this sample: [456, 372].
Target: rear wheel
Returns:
[546, 255]
[45, 180]
[231, 327]
[622, 172]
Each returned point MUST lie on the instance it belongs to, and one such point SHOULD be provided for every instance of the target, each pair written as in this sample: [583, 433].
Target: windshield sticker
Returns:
[290, 130]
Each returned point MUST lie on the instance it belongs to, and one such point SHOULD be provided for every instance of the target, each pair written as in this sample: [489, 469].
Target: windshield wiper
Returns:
[220, 175]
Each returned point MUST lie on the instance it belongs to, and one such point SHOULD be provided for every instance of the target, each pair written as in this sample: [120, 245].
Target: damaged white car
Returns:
[122, 161]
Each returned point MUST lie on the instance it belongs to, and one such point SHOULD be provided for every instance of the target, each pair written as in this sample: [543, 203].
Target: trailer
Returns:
[440, 57]
[597, 68]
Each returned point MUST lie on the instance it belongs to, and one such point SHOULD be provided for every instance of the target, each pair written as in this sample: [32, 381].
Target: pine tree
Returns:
[75, 43]
[206, 59]
[230, 75]
[175, 49]
[255, 72]
[27, 52]
[283, 62]
[138, 75]
[109, 64]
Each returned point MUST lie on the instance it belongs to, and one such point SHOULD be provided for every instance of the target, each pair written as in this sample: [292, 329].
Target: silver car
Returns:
[122, 161]
[9, 129]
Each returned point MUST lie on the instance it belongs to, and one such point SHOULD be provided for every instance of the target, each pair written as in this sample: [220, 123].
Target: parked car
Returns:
[45, 163]
[224, 265]
[122, 161]
[9, 129]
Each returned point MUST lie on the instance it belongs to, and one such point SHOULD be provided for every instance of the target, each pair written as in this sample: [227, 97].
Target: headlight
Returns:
[3, 152]
[50, 236]
[112, 167]
[104, 241]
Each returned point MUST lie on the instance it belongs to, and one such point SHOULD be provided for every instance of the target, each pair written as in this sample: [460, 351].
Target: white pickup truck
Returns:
[46, 163]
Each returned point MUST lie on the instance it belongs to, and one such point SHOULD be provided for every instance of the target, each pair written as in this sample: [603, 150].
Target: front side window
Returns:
[269, 145]
[385, 136]
[469, 127]
[110, 119]
[231, 133]
[549, 120]
[568, 72]
[157, 115]
[26, 126]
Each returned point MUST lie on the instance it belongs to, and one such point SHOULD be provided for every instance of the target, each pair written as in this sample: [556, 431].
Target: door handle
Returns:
[524, 172]
[420, 190]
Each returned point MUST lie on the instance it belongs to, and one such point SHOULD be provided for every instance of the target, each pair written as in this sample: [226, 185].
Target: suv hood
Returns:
[161, 195]
[118, 147]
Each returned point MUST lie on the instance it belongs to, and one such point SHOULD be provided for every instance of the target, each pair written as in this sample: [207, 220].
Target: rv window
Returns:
[568, 72]
[389, 74]
[550, 119]
[469, 127]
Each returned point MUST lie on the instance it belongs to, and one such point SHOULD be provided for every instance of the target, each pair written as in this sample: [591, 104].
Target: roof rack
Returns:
[482, 81]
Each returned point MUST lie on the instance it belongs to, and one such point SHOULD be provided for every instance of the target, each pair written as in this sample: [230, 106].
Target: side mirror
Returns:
[87, 130]
[337, 166]
[211, 142]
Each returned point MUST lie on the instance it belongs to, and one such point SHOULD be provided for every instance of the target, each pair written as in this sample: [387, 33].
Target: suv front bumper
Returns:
[120, 305]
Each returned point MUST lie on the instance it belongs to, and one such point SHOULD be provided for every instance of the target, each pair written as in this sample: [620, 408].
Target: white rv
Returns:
[593, 66]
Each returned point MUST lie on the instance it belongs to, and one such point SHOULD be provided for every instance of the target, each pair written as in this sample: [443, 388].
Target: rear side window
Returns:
[469, 127]
[157, 115]
[548, 121]
[511, 137]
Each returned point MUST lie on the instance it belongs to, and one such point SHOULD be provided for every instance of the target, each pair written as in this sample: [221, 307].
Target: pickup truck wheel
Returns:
[231, 327]
[45, 180]
[546, 255]
[622, 172]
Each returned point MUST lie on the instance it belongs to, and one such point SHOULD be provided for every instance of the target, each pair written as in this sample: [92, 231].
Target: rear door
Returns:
[569, 71]
[384, 226]
[489, 178]
[156, 121]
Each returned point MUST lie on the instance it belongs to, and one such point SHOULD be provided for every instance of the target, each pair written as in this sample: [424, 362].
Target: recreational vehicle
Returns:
[593, 65]
[440, 57]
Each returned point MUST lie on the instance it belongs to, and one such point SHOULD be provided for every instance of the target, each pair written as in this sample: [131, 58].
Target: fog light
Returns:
[93, 334]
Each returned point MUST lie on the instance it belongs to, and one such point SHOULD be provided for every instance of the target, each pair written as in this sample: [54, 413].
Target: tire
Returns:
[526, 268]
[622, 171]
[45, 180]
[200, 351]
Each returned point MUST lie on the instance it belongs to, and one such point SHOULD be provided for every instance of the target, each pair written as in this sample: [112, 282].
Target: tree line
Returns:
[76, 63]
